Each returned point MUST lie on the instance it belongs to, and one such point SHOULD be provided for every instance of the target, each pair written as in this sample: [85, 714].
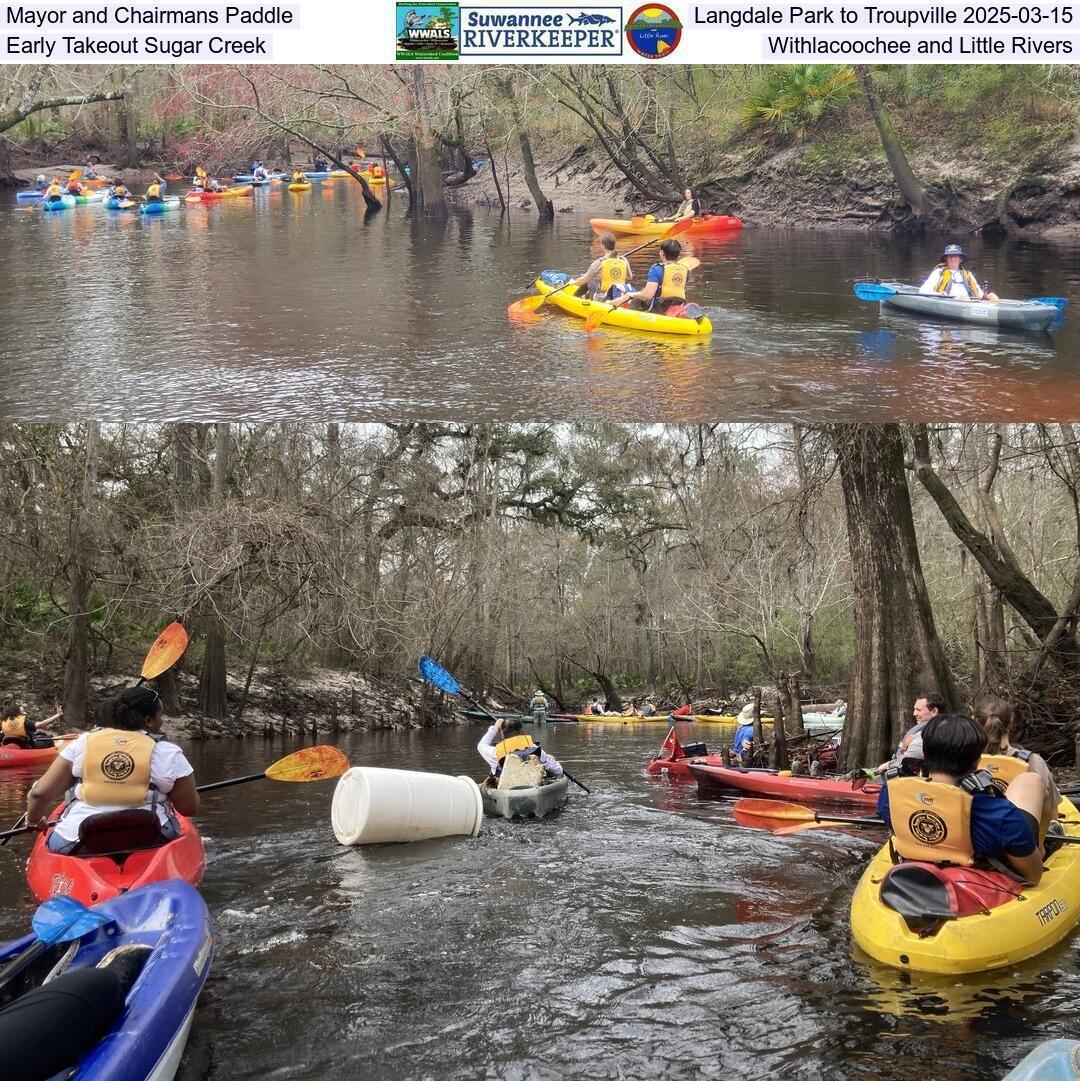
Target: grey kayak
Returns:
[1012, 314]
[524, 802]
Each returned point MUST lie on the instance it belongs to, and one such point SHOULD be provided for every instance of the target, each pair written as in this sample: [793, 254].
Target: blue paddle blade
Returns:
[438, 676]
[872, 291]
[63, 919]
[1053, 302]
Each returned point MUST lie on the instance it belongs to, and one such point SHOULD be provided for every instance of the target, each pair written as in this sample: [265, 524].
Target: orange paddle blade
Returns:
[771, 808]
[531, 304]
[798, 827]
[167, 649]
[309, 764]
[679, 227]
[596, 318]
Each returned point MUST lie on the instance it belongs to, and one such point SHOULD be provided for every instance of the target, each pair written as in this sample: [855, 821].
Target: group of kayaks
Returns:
[908, 915]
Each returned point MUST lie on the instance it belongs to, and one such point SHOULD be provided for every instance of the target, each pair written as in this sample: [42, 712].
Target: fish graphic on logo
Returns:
[590, 20]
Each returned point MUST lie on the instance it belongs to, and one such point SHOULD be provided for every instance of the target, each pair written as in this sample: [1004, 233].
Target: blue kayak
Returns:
[172, 202]
[1055, 1060]
[29, 196]
[114, 203]
[140, 975]
[65, 202]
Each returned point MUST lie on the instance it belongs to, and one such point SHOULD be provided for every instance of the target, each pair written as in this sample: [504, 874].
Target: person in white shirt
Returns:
[508, 737]
[951, 278]
[122, 764]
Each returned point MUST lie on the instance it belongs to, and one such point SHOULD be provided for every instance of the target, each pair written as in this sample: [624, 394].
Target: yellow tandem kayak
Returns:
[582, 307]
[993, 935]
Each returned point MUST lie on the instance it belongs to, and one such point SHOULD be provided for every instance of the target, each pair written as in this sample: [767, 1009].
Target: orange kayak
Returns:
[707, 223]
[12, 756]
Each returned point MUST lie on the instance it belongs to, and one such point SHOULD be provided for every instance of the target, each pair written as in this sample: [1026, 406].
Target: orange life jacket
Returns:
[15, 728]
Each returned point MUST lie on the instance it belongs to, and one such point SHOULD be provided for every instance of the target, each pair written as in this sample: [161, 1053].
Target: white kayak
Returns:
[1011, 314]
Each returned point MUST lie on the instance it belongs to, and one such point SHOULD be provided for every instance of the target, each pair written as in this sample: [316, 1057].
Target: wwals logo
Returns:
[428, 31]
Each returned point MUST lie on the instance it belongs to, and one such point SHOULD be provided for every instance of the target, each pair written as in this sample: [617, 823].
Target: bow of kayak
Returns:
[11, 756]
[969, 920]
[582, 307]
[92, 879]
[159, 944]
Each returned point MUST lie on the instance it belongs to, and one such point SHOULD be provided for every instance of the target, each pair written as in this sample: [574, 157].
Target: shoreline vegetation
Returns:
[314, 564]
[979, 149]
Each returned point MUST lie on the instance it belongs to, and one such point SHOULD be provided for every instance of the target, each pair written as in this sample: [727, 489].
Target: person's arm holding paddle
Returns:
[48, 789]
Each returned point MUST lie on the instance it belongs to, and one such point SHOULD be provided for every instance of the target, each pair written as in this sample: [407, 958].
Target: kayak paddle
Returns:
[166, 650]
[532, 303]
[640, 221]
[59, 919]
[309, 764]
[802, 817]
[432, 672]
[597, 317]
[1053, 302]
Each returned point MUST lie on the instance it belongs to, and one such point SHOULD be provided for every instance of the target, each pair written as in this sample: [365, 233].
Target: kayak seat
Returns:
[119, 833]
[50, 1028]
[126, 962]
[921, 896]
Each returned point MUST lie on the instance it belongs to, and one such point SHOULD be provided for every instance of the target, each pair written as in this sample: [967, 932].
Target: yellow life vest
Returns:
[613, 271]
[674, 284]
[376, 170]
[931, 821]
[120, 192]
[1002, 769]
[298, 177]
[54, 189]
[154, 191]
[539, 702]
[965, 276]
[14, 728]
[116, 768]
[513, 743]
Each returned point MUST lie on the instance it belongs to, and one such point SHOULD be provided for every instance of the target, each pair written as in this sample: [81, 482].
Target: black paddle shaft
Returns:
[229, 784]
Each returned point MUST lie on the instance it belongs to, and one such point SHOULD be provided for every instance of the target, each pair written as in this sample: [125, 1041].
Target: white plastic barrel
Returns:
[376, 806]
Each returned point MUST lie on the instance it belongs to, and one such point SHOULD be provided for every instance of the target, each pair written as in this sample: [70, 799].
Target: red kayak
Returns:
[785, 786]
[12, 756]
[115, 860]
[674, 758]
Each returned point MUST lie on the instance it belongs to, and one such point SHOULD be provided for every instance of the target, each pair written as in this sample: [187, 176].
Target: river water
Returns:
[284, 307]
[639, 933]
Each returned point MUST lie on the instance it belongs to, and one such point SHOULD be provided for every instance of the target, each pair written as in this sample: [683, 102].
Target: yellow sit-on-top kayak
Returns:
[961, 919]
[582, 307]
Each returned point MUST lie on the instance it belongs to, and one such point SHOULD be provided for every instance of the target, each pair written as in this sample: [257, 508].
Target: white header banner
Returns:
[385, 32]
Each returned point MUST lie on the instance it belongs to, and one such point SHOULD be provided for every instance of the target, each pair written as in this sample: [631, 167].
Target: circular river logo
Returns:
[118, 766]
[928, 827]
[654, 31]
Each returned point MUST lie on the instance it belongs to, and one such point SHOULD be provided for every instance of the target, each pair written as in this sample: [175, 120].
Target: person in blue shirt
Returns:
[1005, 828]
[665, 286]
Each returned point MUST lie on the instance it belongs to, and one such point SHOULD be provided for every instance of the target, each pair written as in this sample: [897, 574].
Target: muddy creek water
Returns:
[638, 933]
[287, 306]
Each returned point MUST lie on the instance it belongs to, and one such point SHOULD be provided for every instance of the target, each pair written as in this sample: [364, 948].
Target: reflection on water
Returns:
[639, 933]
[285, 306]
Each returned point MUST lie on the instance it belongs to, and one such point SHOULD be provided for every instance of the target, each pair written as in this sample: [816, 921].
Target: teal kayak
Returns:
[65, 202]
[172, 202]
[1055, 1060]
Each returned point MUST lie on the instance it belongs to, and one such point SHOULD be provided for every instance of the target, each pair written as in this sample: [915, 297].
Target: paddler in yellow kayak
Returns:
[298, 176]
[665, 287]
[16, 730]
[955, 814]
[506, 737]
[123, 765]
[1005, 760]
[608, 276]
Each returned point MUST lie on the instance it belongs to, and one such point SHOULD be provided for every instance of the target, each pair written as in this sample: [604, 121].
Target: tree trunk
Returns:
[429, 178]
[897, 651]
[804, 555]
[906, 181]
[79, 586]
[213, 698]
[544, 206]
